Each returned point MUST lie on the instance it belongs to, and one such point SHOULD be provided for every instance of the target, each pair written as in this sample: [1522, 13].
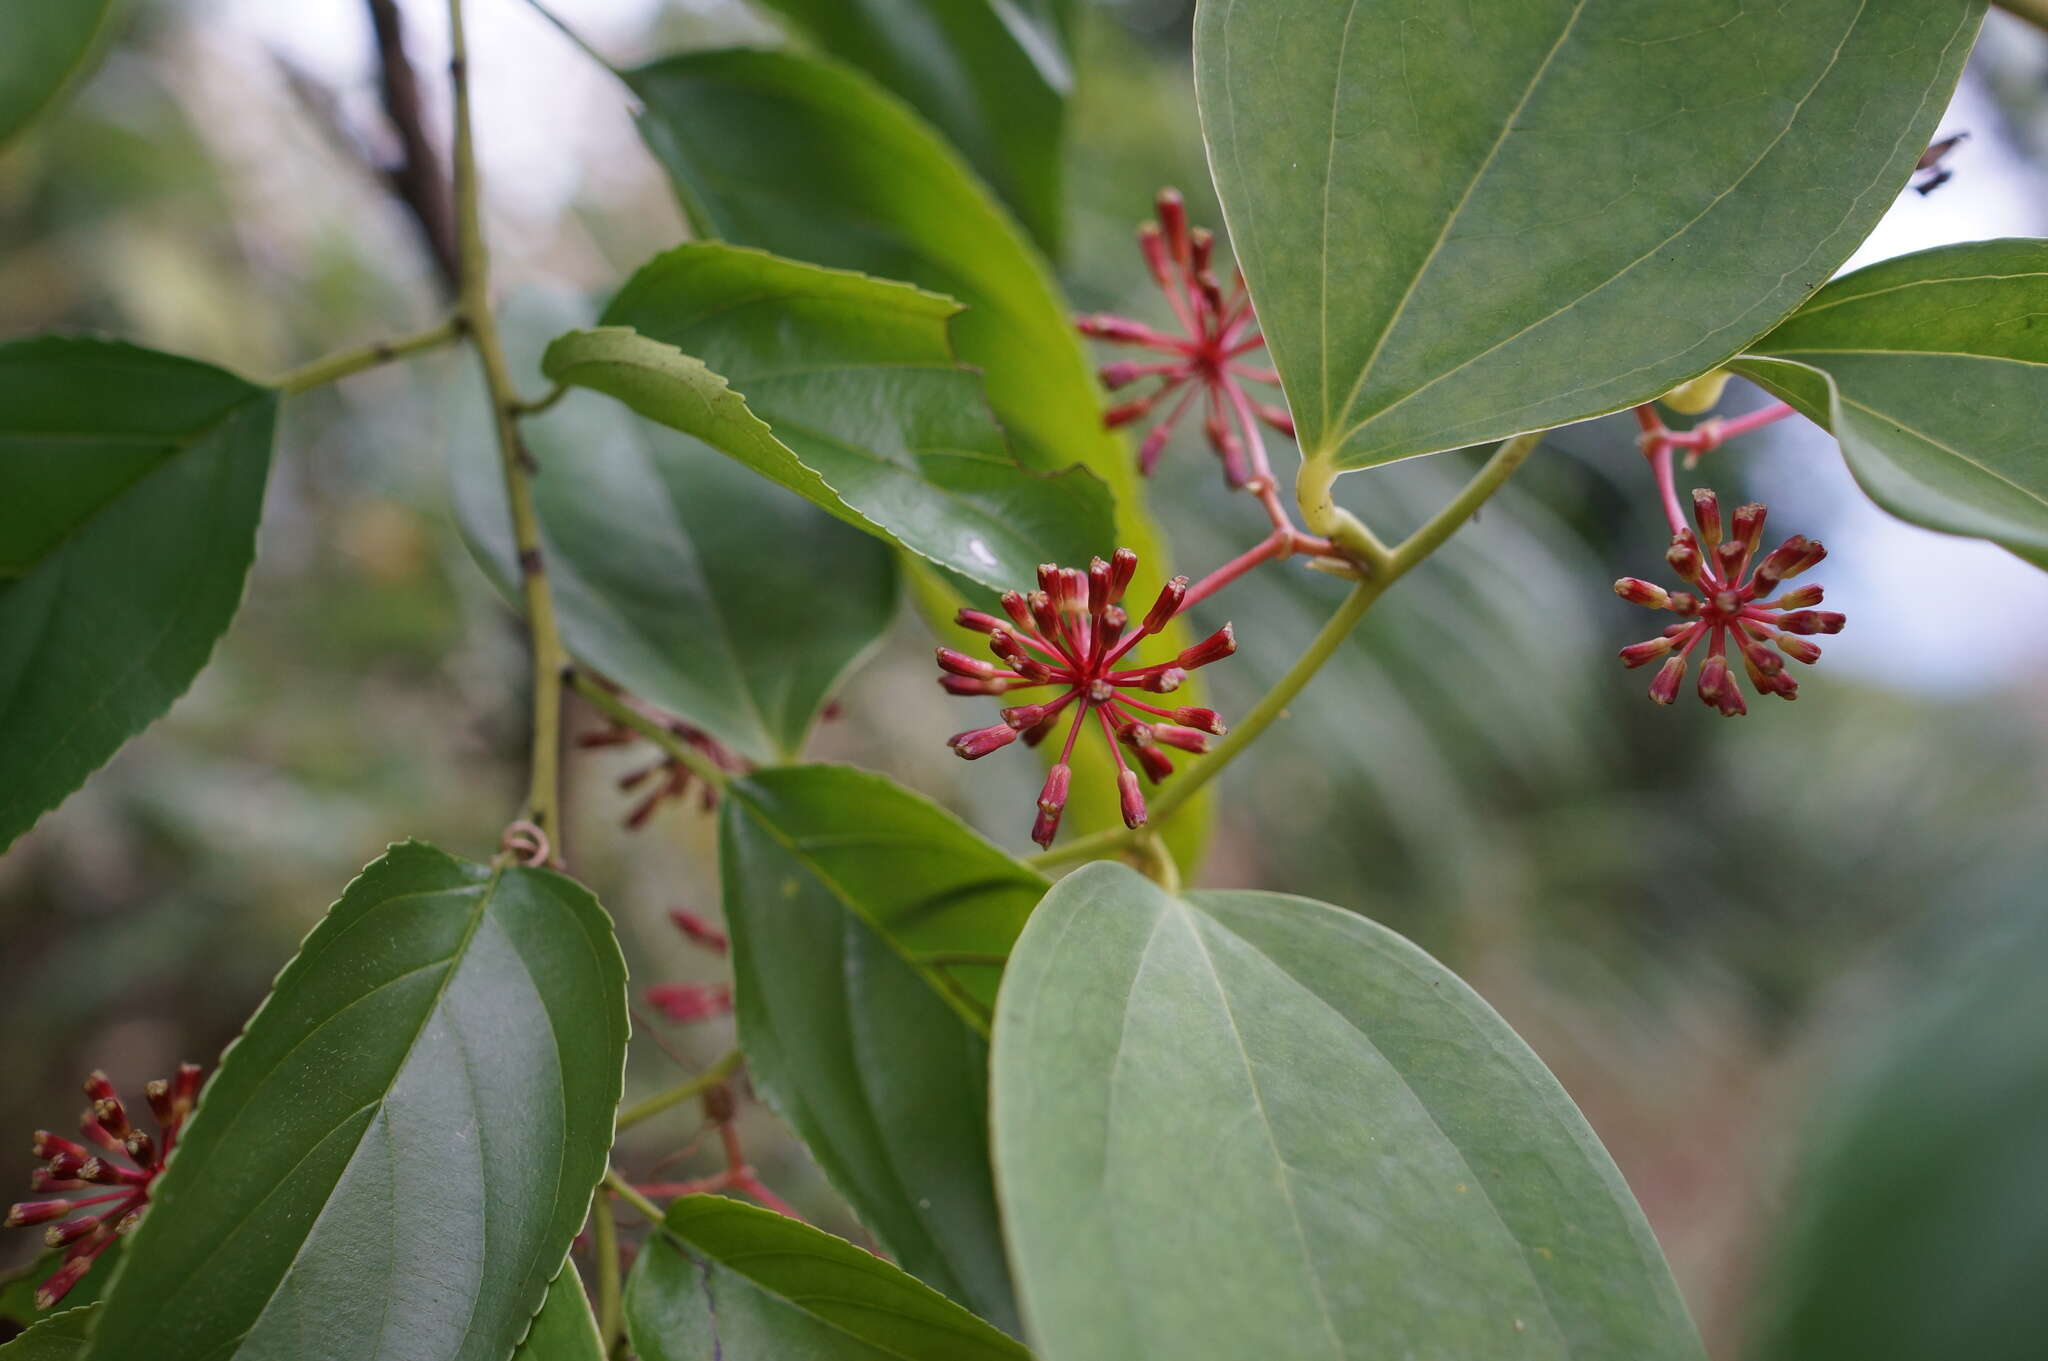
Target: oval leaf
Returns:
[674, 572]
[48, 47]
[835, 881]
[1932, 371]
[1241, 1124]
[731, 1281]
[133, 482]
[814, 161]
[1463, 222]
[394, 1156]
[993, 75]
[852, 399]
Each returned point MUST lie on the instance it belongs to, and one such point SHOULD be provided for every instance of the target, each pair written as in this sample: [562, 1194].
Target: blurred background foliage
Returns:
[1696, 923]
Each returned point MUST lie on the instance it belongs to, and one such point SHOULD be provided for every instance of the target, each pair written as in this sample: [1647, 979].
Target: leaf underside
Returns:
[1461, 222]
[1932, 371]
[1242, 1124]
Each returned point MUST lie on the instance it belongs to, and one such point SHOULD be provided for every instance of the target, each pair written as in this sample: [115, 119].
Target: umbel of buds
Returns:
[1204, 363]
[1735, 604]
[116, 1164]
[1073, 633]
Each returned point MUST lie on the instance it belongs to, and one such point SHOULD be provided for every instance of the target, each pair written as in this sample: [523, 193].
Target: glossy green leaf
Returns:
[130, 487]
[843, 389]
[729, 1281]
[992, 75]
[1465, 221]
[1235, 1125]
[814, 161]
[679, 575]
[48, 46]
[1932, 371]
[564, 1329]
[1916, 1222]
[394, 1156]
[841, 889]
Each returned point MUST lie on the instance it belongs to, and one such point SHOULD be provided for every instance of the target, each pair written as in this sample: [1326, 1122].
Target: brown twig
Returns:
[416, 179]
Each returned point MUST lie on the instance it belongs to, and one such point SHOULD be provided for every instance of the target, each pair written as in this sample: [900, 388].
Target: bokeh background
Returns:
[1705, 928]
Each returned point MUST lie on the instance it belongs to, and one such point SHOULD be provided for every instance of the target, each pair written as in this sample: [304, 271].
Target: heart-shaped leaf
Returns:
[1231, 1125]
[60, 1337]
[841, 889]
[731, 1281]
[133, 485]
[677, 574]
[48, 47]
[852, 398]
[993, 75]
[393, 1158]
[1464, 221]
[814, 161]
[1932, 371]
[564, 1329]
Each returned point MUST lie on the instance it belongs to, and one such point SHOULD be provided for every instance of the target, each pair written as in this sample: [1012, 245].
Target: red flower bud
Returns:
[1811, 621]
[976, 743]
[1131, 799]
[1641, 654]
[690, 1002]
[960, 664]
[1187, 739]
[1166, 606]
[1636, 591]
[1214, 648]
[1706, 513]
[698, 931]
[978, 621]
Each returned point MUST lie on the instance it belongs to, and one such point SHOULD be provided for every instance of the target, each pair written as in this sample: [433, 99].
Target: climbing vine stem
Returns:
[473, 306]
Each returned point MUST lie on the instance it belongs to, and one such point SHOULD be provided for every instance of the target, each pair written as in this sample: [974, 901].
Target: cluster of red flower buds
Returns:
[1204, 362]
[1733, 603]
[687, 1003]
[1071, 632]
[671, 779]
[119, 1174]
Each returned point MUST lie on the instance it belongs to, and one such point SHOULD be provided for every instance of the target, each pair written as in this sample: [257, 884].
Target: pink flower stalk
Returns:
[1203, 363]
[689, 1003]
[1072, 633]
[699, 932]
[1735, 605]
[670, 778]
[119, 1175]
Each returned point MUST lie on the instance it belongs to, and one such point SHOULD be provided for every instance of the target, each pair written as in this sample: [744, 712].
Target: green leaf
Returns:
[1461, 222]
[1932, 371]
[738, 1283]
[835, 880]
[48, 47]
[1917, 1221]
[564, 1329]
[674, 575]
[814, 161]
[992, 75]
[133, 485]
[394, 1156]
[18, 1287]
[1231, 1125]
[852, 398]
[59, 1337]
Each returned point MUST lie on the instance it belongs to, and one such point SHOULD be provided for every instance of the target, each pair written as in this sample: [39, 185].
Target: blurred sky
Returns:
[1927, 611]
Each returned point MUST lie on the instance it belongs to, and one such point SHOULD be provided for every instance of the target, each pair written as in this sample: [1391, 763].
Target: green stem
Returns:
[338, 366]
[542, 402]
[677, 1095]
[2034, 12]
[613, 707]
[1391, 567]
[625, 1191]
[572, 35]
[543, 799]
[610, 1321]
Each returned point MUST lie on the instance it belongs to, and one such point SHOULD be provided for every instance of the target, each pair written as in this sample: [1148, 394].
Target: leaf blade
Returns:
[1202, 1153]
[1431, 173]
[774, 1287]
[137, 482]
[876, 1061]
[49, 48]
[1932, 372]
[444, 1018]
